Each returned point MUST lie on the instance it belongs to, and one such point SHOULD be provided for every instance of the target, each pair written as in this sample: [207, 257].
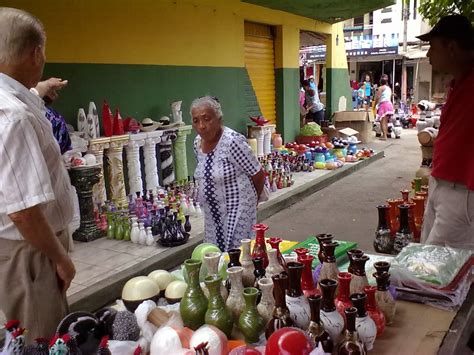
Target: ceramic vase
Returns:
[405, 195]
[248, 278]
[351, 344]
[342, 300]
[404, 236]
[234, 256]
[383, 296]
[383, 242]
[259, 247]
[374, 312]
[274, 267]
[359, 278]
[281, 314]
[277, 140]
[301, 252]
[251, 322]
[381, 266]
[350, 254]
[235, 302]
[142, 235]
[322, 238]
[267, 302]
[193, 305]
[330, 317]
[211, 264]
[307, 283]
[295, 300]
[419, 211]
[259, 271]
[135, 233]
[217, 313]
[316, 332]
[365, 325]
[329, 268]
[275, 244]
[394, 215]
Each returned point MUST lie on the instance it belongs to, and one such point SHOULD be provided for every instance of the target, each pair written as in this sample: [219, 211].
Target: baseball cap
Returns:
[455, 27]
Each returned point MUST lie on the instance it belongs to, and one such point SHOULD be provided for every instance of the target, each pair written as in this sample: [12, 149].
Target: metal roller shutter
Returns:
[260, 64]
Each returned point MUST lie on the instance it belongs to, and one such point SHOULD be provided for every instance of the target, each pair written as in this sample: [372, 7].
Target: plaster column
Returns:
[117, 191]
[135, 183]
[268, 130]
[166, 157]
[258, 134]
[149, 152]
[180, 156]
[97, 147]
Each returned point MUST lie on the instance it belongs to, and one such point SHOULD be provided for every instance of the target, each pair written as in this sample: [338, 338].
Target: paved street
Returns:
[347, 208]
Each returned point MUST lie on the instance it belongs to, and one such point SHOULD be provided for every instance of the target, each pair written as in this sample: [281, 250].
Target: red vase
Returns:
[394, 214]
[307, 283]
[411, 221]
[342, 300]
[259, 248]
[118, 124]
[107, 120]
[301, 252]
[275, 244]
[418, 212]
[374, 312]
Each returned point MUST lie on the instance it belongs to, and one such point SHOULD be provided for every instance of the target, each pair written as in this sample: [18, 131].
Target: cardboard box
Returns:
[361, 121]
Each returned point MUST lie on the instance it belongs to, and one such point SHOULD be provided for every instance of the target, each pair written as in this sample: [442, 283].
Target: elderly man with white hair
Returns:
[35, 192]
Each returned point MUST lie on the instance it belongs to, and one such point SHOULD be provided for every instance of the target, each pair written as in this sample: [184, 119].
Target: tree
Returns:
[433, 10]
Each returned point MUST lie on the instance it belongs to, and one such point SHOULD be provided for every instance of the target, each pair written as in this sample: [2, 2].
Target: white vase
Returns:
[267, 302]
[333, 323]
[299, 310]
[236, 302]
[135, 233]
[142, 235]
[367, 330]
[211, 263]
[274, 267]
[248, 278]
[149, 237]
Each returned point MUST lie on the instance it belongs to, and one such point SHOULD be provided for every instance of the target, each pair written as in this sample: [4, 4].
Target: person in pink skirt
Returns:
[383, 100]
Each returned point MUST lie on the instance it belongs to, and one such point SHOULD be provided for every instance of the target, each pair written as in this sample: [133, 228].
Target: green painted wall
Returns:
[287, 90]
[147, 91]
[337, 85]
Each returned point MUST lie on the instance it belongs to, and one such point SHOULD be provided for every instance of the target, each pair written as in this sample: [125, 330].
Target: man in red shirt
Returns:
[449, 216]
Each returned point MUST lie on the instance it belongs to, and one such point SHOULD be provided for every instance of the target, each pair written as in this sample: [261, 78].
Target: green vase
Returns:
[193, 305]
[118, 228]
[251, 322]
[217, 313]
[110, 225]
[126, 229]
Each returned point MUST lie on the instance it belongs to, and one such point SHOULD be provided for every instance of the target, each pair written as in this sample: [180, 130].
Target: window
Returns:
[386, 20]
[386, 10]
[359, 21]
[371, 18]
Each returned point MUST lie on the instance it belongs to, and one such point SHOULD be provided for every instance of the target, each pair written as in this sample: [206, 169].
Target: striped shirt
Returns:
[32, 171]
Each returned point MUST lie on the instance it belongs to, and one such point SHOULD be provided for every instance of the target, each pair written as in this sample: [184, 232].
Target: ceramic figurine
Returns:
[359, 278]
[95, 120]
[351, 344]
[248, 277]
[267, 302]
[193, 305]
[404, 236]
[274, 267]
[259, 248]
[107, 120]
[383, 296]
[365, 325]
[333, 322]
[82, 123]
[281, 314]
[251, 322]
[374, 312]
[235, 302]
[217, 313]
[320, 338]
[176, 112]
[295, 300]
[329, 268]
[343, 292]
[383, 242]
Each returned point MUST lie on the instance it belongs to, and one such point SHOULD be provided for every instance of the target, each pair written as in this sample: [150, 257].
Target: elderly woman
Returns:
[230, 178]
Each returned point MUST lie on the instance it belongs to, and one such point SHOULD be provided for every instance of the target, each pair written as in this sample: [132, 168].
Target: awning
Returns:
[330, 11]
[418, 52]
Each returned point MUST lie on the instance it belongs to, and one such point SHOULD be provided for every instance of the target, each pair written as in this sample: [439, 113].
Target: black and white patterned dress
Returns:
[226, 191]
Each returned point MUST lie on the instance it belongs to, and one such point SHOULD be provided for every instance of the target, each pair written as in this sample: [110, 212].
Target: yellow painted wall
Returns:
[161, 32]
[336, 53]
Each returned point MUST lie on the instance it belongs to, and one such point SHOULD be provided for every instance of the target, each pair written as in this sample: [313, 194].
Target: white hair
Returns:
[19, 31]
[207, 101]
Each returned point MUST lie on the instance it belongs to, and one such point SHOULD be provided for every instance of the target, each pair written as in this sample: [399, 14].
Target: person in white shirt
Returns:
[36, 202]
